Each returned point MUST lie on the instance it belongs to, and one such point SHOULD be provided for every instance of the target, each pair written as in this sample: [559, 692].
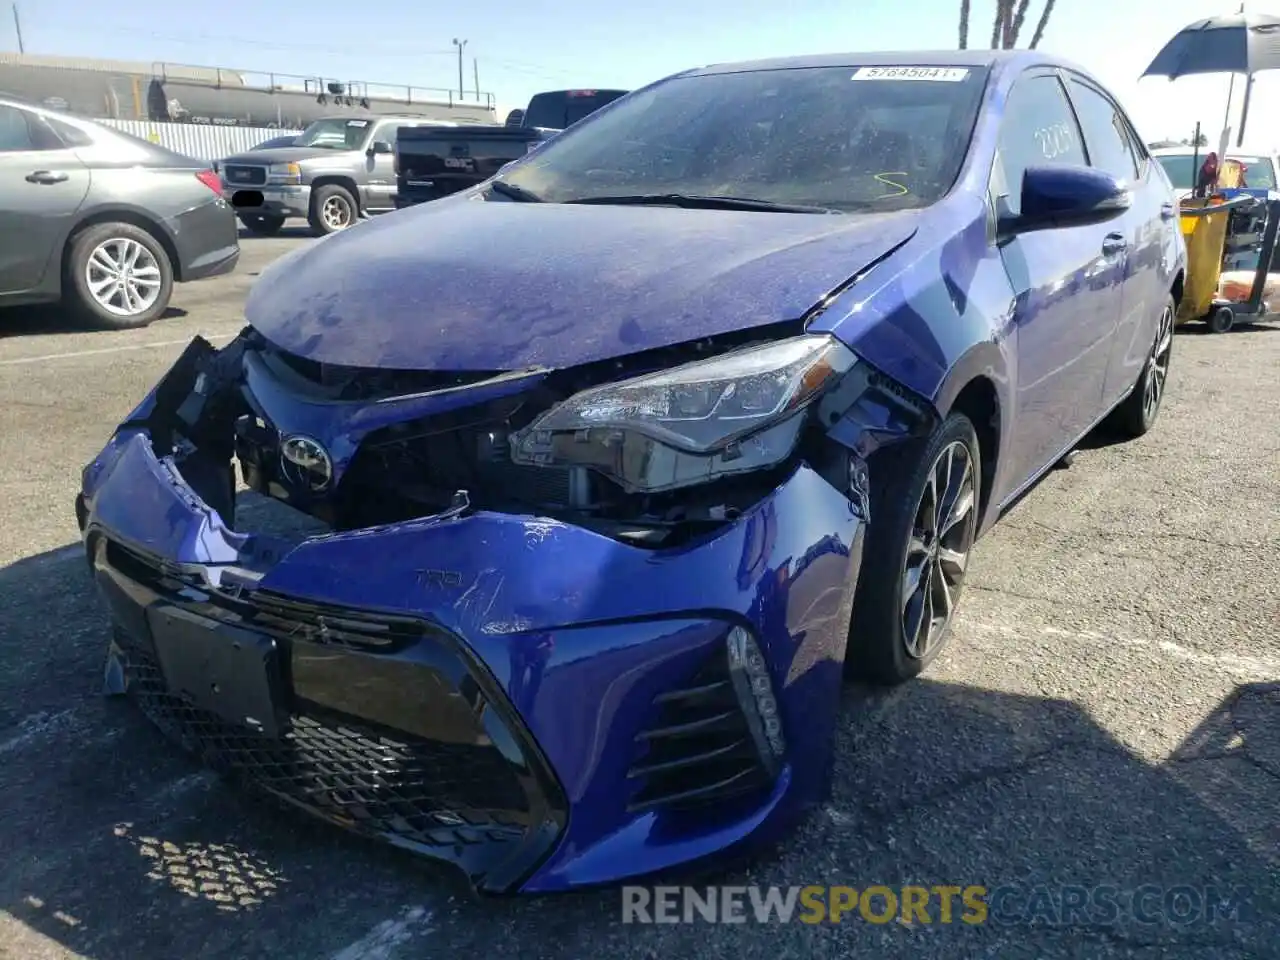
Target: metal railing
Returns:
[329, 86]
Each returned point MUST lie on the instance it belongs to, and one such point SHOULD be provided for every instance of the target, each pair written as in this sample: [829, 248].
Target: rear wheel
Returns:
[1137, 414]
[261, 223]
[118, 276]
[333, 208]
[924, 519]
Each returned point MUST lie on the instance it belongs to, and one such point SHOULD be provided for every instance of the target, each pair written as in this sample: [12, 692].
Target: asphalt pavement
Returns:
[1107, 716]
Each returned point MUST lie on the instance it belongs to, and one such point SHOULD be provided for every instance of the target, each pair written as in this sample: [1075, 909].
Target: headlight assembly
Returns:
[737, 412]
[284, 173]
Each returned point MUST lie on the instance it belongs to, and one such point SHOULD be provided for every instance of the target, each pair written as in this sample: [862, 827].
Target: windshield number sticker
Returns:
[357, 123]
[937, 74]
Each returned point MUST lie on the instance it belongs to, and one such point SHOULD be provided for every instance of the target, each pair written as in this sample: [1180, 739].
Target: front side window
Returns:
[841, 138]
[334, 133]
[1038, 129]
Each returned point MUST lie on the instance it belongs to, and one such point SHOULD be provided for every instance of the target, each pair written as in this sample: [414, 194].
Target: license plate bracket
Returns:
[224, 670]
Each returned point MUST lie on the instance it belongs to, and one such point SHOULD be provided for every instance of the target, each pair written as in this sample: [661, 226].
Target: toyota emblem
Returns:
[305, 463]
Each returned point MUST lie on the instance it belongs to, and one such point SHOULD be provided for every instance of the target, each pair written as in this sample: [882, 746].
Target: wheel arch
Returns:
[343, 180]
[976, 386]
[131, 216]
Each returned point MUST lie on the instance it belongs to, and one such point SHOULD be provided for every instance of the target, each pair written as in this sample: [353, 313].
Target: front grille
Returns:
[427, 794]
[284, 618]
[697, 749]
[244, 175]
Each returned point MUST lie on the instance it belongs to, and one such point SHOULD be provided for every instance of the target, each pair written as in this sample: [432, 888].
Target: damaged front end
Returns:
[443, 574]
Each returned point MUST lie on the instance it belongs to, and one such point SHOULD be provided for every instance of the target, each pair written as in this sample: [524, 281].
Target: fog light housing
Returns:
[754, 688]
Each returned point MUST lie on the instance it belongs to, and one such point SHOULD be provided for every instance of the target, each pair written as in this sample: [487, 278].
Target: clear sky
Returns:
[524, 47]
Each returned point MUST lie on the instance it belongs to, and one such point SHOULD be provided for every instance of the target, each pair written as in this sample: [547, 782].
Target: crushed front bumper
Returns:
[539, 704]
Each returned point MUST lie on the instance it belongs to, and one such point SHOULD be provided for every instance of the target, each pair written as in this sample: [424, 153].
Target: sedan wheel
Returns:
[1137, 413]
[118, 276]
[924, 505]
[938, 551]
[123, 277]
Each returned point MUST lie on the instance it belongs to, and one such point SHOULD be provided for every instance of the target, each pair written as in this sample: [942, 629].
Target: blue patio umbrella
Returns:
[1241, 42]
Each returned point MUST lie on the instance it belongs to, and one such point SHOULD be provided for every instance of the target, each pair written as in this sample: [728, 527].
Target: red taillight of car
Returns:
[210, 180]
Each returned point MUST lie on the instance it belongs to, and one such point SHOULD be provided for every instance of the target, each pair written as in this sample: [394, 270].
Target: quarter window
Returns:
[1038, 129]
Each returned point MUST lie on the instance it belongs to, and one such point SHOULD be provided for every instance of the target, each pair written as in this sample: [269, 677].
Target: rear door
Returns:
[1067, 285]
[42, 185]
[1145, 227]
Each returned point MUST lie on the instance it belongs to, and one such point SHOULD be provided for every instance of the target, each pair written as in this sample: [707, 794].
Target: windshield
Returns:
[1259, 172]
[335, 133]
[844, 138]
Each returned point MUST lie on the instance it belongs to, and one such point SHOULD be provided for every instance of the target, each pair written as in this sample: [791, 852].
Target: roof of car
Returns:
[886, 58]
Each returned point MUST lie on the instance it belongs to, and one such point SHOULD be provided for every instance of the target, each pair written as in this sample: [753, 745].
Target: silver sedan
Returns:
[103, 221]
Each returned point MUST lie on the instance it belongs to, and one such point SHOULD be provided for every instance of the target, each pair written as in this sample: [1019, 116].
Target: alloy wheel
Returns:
[123, 277]
[336, 213]
[1158, 365]
[938, 550]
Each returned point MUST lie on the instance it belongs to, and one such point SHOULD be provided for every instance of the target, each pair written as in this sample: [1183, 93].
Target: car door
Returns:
[1146, 227]
[42, 185]
[380, 167]
[1066, 283]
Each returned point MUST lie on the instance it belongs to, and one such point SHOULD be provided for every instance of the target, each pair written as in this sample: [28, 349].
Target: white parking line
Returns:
[122, 348]
[379, 942]
[1254, 667]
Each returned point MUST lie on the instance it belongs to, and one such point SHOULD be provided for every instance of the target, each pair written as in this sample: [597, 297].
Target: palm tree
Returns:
[1008, 23]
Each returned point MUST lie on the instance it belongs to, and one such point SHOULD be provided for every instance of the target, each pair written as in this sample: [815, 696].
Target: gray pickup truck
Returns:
[337, 170]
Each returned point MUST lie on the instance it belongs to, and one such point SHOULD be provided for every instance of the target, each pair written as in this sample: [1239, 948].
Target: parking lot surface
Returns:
[1107, 715]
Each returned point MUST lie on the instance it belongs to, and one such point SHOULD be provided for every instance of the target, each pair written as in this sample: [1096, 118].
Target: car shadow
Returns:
[118, 846]
[47, 319]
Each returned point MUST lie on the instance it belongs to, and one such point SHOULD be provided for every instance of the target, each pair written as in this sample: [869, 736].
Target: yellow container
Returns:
[1205, 234]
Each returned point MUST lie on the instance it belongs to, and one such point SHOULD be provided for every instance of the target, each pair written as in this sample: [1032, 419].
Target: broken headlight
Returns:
[735, 413]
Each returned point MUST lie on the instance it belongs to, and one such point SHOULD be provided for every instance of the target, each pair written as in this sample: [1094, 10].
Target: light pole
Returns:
[460, 44]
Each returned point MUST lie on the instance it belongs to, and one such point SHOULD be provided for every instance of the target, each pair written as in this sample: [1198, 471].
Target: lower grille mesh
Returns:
[429, 794]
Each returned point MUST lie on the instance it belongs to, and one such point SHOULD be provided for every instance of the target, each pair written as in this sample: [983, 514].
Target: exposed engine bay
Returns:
[400, 445]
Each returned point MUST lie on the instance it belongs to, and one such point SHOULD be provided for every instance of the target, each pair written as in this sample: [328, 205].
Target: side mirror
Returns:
[1066, 196]
[379, 146]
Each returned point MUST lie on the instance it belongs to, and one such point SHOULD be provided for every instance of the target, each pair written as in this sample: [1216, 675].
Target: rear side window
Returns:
[1039, 129]
[15, 133]
[1105, 132]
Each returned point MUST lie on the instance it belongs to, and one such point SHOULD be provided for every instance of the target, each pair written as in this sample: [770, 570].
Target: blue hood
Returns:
[466, 285]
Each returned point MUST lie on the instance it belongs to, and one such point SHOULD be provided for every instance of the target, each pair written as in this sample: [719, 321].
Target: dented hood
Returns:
[467, 285]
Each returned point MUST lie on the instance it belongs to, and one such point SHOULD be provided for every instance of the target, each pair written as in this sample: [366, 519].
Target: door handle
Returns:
[1112, 244]
[47, 176]
[1167, 211]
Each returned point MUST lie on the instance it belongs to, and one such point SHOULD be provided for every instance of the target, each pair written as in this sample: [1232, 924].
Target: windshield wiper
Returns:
[513, 192]
[695, 202]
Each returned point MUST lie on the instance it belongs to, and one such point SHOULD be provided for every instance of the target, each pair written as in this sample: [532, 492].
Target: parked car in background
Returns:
[435, 161]
[558, 109]
[615, 463]
[336, 171]
[1182, 164]
[102, 221]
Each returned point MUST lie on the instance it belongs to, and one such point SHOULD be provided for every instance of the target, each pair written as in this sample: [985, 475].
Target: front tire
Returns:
[1137, 413]
[924, 519]
[119, 276]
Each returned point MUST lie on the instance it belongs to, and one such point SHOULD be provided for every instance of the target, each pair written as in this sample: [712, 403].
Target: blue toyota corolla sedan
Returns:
[607, 471]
